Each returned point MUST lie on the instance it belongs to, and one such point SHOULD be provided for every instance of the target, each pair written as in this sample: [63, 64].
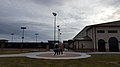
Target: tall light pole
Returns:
[60, 37]
[12, 37]
[23, 28]
[54, 14]
[58, 33]
[36, 34]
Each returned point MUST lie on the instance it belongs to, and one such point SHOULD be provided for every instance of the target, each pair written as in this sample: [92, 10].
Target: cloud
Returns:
[49, 3]
[36, 15]
[111, 3]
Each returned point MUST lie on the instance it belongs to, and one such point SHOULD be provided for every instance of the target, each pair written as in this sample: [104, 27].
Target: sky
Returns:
[36, 16]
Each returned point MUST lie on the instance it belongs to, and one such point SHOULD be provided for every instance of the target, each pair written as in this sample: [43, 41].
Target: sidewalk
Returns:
[50, 55]
[103, 53]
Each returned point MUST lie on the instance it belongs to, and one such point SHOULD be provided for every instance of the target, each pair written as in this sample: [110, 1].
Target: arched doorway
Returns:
[113, 45]
[101, 45]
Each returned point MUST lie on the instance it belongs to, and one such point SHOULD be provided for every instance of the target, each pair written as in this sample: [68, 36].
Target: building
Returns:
[47, 45]
[7, 44]
[104, 37]
[2, 43]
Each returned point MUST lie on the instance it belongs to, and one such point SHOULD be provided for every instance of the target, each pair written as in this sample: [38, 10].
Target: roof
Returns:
[113, 23]
[86, 28]
[107, 24]
[85, 38]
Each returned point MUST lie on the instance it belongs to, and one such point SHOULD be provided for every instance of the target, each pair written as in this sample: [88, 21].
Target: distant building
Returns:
[7, 44]
[2, 43]
[48, 45]
[66, 44]
[104, 37]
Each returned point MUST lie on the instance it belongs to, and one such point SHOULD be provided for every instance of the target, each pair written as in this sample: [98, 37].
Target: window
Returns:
[100, 31]
[112, 31]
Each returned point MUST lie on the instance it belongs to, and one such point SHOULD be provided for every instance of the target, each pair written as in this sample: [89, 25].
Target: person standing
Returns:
[56, 49]
[61, 47]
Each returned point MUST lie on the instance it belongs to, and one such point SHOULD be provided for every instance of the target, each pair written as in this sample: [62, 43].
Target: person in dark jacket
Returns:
[56, 50]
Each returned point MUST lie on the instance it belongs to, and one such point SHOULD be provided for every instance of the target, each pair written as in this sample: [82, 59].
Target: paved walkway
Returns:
[50, 55]
[103, 53]
[66, 55]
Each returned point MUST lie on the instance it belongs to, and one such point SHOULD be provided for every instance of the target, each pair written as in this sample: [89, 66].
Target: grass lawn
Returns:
[94, 61]
[17, 51]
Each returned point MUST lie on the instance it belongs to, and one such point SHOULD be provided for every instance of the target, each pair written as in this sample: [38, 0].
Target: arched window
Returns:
[113, 45]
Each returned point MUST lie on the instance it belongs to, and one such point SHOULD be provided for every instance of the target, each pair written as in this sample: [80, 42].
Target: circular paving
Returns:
[65, 55]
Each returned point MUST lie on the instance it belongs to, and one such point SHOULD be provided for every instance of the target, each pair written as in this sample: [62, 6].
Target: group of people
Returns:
[58, 49]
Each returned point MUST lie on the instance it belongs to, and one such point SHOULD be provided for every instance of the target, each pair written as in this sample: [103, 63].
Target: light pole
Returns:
[12, 37]
[36, 34]
[60, 37]
[54, 14]
[58, 33]
[23, 28]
